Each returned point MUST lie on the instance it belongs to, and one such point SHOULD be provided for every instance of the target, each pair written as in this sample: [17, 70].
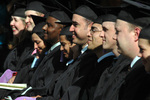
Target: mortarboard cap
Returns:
[61, 16]
[18, 5]
[65, 31]
[67, 11]
[20, 12]
[64, 8]
[143, 21]
[101, 10]
[126, 16]
[38, 30]
[99, 20]
[38, 19]
[110, 18]
[38, 27]
[145, 33]
[86, 12]
[36, 6]
[137, 4]
[50, 8]
[134, 11]
[143, 17]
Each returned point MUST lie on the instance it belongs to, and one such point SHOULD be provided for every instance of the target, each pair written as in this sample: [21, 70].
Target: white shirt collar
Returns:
[134, 61]
[104, 56]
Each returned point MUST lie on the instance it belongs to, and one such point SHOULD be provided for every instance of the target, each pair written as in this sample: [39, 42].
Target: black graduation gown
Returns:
[81, 74]
[136, 85]
[26, 73]
[76, 75]
[95, 76]
[20, 56]
[111, 80]
[48, 69]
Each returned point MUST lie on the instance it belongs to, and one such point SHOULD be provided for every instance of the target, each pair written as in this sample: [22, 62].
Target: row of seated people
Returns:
[89, 58]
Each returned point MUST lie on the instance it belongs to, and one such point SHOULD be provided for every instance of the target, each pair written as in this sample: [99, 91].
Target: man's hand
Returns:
[38, 96]
[12, 79]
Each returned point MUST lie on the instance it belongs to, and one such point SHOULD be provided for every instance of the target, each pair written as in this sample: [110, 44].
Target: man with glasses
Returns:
[110, 79]
[105, 57]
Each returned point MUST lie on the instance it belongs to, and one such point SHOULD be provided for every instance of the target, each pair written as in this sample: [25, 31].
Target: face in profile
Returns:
[144, 45]
[125, 37]
[79, 29]
[52, 30]
[94, 39]
[29, 21]
[17, 24]
[38, 44]
[109, 31]
[65, 46]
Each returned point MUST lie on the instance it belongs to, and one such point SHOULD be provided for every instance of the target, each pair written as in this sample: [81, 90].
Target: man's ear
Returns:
[137, 31]
[60, 28]
[90, 25]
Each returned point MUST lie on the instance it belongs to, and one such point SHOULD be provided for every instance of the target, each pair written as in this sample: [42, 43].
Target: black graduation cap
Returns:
[65, 31]
[145, 33]
[133, 11]
[36, 6]
[50, 8]
[86, 12]
[143, 22]
[109, 12]
[99, 20]
[124, 15]
[38, 19]
[64, 8]
[143, 10]
[19, 12]
[18, 5]
[38, 28]
[109, 17]
[67, 11]
[100, 10]
[137, 4]
[59, 14]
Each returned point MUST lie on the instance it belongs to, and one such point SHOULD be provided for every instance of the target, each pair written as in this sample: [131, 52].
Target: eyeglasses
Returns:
[94, 30]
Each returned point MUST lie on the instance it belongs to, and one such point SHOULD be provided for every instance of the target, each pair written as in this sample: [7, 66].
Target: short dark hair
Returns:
[87, 21]
[69, 38]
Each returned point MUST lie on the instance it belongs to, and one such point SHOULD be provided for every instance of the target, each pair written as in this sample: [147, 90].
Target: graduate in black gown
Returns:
[76, 74]
[105, 57]
[113, 76]
[68, 48]
[20, 56]
[51, 66]
[23, 49]
[144, 54]
[136, 82]
[41, 47]
[33, 8]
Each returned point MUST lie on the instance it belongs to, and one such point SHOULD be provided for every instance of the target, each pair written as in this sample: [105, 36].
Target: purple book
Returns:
[25, 98]
[7, 75]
